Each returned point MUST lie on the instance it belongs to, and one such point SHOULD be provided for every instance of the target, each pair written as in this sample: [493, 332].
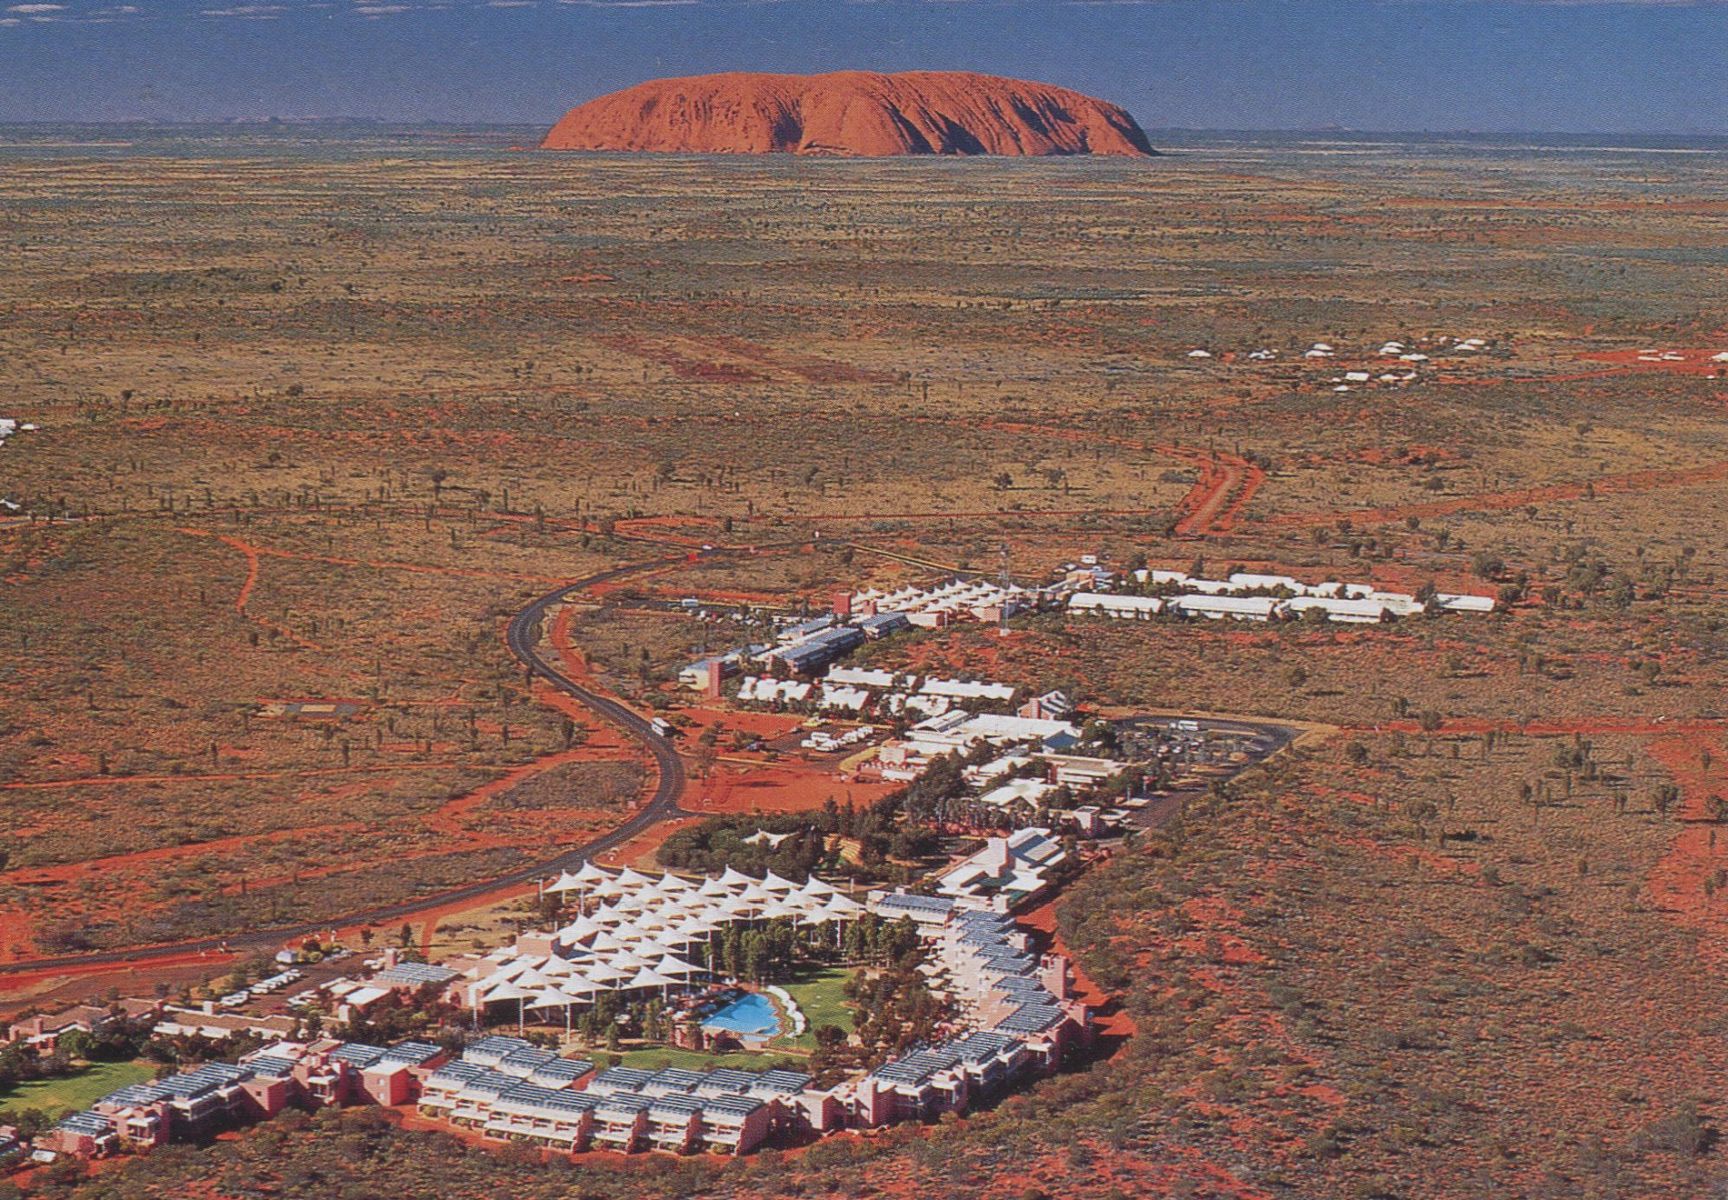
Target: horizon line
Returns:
[451, 122]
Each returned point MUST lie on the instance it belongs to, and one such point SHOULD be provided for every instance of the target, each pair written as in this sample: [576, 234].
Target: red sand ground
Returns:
[1700, 848]
[1602, 485]
[744, 786]
[1113, 1022]
[1693, 362]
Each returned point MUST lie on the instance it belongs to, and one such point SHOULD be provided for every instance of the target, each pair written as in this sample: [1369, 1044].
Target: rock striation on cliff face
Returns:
[857, 114]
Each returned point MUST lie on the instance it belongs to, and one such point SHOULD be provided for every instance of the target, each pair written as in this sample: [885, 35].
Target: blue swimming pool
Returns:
[751, 1015]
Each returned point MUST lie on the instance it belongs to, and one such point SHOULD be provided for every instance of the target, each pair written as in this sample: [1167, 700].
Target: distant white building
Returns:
[1018, 791]
[1354, 612]
[1216, 608]
[1107, 604]
[965, 689]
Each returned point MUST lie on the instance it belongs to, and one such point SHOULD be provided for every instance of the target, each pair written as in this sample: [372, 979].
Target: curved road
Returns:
[522, 637]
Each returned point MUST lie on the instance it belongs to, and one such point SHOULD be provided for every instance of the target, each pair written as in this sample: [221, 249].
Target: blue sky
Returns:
[1535, 65]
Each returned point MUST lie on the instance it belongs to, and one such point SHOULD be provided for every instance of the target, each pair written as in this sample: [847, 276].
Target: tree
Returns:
[1665, 796]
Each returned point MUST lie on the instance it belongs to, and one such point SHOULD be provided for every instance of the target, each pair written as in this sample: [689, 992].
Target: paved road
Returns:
[522, 636]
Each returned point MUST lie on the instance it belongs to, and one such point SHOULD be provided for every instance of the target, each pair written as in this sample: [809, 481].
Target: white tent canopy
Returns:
[640, 933]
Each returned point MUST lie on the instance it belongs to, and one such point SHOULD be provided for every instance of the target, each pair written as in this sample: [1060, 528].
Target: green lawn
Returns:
[60, 1096]
[654, 1058]
[821, 996]
[818, 993]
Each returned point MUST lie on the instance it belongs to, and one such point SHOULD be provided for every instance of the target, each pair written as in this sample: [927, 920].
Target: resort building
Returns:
[636, 934]
[621, 1109]
[1007, 871]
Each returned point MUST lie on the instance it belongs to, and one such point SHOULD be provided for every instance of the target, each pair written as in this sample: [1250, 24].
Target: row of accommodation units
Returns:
[805, 648]
[957, 731]
[195, 1104]
[511, 1091]
[1017, 1016]
[1017, 1011]
[933, 608]
[43, 1031]
[853, 689]
[1247, 596]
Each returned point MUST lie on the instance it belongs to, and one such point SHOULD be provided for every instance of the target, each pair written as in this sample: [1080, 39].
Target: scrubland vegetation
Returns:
[305, 450]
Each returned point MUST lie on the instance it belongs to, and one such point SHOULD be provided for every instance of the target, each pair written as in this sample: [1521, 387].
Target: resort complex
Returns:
[632, 936]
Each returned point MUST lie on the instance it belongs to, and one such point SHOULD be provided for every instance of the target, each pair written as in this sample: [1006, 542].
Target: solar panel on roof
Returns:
[729, 1079]
[92, 1124]
[415, 974]
[572, 1102]
[186, 1087]
[522, 1062]
[984, 1044]
[413, 1053]
[526, 1094]
[737, 1106]
[358, 1053]
[458, 1072]
[560, 1069]
[136, 1093]
[902, 1072]
[494, 1047]
[674, 1106]
[785, 1081]
[491, 1083]
[621, 1079]
[916, 903]
[1031, 1018]
[623, 1102]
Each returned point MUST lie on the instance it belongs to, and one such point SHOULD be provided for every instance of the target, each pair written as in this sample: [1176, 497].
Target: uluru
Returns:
[852, 114]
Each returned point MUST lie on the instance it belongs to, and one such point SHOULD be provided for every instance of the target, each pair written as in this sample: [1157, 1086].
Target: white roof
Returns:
[967, 689]
[860, 677]
[1108, 602]
[1247, 580]
[1261, 606]
[1367, 609]
[1029, 791]
[994, 728]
